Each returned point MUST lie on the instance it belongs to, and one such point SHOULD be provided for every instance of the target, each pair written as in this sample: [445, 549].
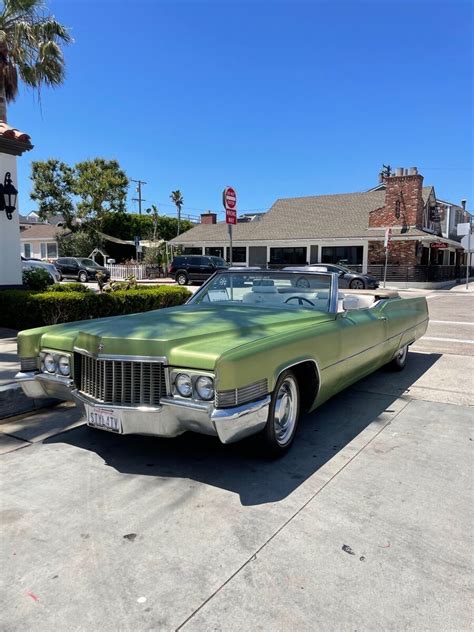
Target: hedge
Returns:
[23, 309]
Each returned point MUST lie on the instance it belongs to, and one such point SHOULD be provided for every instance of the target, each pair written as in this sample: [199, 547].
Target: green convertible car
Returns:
[248, 354]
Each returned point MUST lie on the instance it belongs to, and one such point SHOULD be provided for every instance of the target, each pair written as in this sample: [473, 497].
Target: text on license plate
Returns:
[104, 418]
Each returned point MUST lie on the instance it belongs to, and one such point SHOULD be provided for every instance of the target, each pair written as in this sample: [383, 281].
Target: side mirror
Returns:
[341, 273]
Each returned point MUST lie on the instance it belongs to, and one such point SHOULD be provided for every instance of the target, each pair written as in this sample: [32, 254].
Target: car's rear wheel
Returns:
[279, 433]
[181, 278]
[399, 362]
[82, 277]
[357, 284]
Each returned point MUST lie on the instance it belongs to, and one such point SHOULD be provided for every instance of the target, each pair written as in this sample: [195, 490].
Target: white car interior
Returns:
[264, 291]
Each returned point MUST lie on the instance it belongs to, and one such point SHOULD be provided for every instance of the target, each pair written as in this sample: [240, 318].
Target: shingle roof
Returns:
[313, 217]
[40, 231]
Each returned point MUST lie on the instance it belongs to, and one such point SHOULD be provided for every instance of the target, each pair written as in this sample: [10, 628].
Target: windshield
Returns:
[88, 262]
[268, 288]
[219, 263]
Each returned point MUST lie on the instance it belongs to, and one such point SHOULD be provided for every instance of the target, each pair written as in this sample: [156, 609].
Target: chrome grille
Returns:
[29, 364]
[120, 382]
[237, 396]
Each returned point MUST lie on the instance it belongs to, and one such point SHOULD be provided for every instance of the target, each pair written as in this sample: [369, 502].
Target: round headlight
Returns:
[49, 363]
[63, 365]
[205, 387]
[184, 385]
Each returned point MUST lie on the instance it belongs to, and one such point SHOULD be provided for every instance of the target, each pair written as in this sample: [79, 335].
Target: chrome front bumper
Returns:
[170, 419]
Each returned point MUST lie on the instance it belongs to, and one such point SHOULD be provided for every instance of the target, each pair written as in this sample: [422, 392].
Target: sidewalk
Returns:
[12, 400]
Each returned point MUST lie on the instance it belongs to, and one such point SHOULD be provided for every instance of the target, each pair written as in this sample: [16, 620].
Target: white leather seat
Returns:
[359, 301]
[263, 293]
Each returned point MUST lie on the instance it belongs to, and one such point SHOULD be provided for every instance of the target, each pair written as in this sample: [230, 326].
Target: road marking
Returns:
[451, 322]
[468, 342]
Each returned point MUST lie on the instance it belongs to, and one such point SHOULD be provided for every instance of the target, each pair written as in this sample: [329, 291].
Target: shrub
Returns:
[23, 309]
[70, 287]
[36, 279]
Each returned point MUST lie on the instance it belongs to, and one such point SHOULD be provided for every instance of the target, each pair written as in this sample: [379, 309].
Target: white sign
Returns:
[463, 229]
[388, 237]
[465, 242]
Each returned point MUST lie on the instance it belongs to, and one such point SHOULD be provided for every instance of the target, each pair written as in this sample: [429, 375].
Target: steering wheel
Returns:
[301, 300]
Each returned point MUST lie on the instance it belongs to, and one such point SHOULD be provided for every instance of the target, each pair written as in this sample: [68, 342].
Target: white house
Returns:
[39, 241]
[12, 144]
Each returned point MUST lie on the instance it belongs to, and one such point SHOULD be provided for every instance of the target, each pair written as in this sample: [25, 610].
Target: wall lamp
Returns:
[8, 194]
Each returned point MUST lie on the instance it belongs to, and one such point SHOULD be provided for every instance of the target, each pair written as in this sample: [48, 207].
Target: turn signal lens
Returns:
[49, 363]
[63, 365]
[184, 385]
[205, 387]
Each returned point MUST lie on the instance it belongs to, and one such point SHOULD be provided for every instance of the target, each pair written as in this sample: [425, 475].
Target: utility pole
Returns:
[139, 199]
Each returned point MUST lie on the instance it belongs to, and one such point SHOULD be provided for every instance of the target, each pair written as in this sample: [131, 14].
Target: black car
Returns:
[80, 269]
[347, 278]
[188, 268]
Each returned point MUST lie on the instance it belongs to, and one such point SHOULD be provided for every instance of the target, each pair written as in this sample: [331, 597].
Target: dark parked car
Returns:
[347, 278]
[80, 269]
[188, 268]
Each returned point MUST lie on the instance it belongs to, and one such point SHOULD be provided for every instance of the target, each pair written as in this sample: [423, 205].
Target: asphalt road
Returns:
[365, 525]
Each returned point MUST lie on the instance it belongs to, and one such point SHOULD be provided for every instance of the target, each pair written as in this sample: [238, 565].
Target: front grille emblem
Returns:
[100, 348]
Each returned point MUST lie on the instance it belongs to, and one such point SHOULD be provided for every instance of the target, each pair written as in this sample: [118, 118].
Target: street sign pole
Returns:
[229, 200]
[468, 258]
[386, 243]
[229, 226]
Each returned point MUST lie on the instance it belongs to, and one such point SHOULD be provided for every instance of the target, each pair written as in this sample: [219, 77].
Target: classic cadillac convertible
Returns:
[247, 354]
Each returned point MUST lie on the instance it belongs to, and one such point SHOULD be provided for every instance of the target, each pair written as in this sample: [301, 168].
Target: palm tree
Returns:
[177, 198]
[30, 49]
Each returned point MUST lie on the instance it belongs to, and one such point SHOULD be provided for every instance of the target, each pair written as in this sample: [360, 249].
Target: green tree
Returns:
[177, 199]
[30, 49]
[79, 244]
[53, 183]
[102, 187]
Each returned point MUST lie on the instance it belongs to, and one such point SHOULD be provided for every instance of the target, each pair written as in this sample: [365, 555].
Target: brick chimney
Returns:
[403, 200]
[208, 218]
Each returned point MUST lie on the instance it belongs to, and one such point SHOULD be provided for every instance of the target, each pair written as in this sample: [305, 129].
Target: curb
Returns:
[14, 402]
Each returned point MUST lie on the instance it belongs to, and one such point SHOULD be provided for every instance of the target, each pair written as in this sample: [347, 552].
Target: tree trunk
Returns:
[3, 98]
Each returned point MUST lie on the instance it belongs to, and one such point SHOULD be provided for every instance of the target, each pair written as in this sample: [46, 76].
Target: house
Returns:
[344, 226]
[39, 241]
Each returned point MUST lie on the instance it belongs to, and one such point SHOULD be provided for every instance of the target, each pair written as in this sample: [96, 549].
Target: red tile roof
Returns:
[7, 131]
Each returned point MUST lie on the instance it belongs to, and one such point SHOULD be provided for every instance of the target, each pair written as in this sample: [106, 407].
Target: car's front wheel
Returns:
[357, 284]
[181, 278]
[278, 434]
[82, 277]
[400, 360]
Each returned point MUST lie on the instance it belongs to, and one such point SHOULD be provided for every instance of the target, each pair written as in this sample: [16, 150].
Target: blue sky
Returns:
[278, 99]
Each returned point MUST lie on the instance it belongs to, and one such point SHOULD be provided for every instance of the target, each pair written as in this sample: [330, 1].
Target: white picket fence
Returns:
[120, 273]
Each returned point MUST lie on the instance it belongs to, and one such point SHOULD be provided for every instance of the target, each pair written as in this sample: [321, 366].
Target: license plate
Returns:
[104, 418]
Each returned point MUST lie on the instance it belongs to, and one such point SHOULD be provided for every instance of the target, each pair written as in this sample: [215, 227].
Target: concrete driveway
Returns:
[365, 525]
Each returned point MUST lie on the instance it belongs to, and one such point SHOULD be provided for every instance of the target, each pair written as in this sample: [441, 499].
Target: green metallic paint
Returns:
[246, 343]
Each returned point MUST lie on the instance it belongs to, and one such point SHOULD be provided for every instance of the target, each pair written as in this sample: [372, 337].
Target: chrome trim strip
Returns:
[378, 344]
[93, 402]
[131, 358]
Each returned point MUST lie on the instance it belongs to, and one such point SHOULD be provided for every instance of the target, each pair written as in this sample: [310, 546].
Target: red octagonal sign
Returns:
[230, 198]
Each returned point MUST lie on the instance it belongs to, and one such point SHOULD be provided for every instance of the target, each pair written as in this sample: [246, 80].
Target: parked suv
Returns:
[188, 268]
[80, 268]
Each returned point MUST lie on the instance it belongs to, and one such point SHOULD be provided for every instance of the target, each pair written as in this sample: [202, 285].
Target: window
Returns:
[49, 250]
[27, 250]
[346, 254]
[288, 255]
[239, 254]
[215, 252]
[192, 251]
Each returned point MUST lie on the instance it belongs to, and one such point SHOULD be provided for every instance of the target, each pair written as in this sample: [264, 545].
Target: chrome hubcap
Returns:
[357, 285]
[402, 354]
[284, 419]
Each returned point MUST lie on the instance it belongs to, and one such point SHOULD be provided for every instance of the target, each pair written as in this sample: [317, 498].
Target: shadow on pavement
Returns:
[238, 467]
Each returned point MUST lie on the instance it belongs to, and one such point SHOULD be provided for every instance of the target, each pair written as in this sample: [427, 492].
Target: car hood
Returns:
[192, 336]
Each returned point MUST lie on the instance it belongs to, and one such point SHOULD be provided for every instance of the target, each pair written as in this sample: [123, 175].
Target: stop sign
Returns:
[230, 198]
